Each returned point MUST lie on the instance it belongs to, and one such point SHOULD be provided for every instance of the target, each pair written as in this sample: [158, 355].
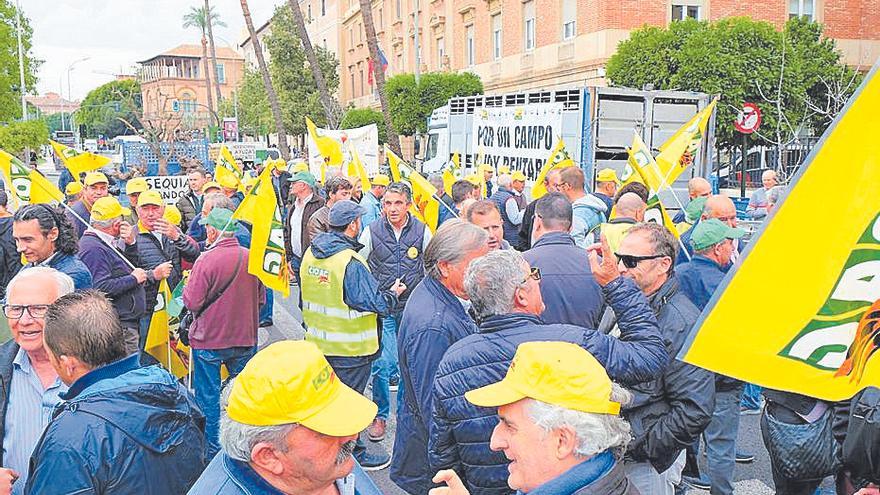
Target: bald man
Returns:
[698, 187]
[718, 206]
[759, 203]
[628, 211]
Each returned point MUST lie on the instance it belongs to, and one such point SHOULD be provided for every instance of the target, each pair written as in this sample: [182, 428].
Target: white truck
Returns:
[519, 130]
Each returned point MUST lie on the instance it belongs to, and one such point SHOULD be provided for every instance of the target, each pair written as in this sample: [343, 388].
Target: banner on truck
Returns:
[364, 139]
[171, 187]
[520, 137]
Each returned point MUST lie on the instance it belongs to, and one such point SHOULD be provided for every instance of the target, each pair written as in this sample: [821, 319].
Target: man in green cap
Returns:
[225, 303]
[304, 203]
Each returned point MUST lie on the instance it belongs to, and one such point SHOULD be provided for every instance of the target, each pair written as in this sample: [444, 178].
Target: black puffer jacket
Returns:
[10, 259]
[152, 254]
[460, 431]
[669, 413]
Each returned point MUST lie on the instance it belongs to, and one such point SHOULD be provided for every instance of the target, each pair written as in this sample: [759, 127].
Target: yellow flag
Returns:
[78, 161]
[678, 152]
[425, 206]
[804, 317]
[158, 343]
[225, 176]
[268, 259]
[638, 172]
[559, 158]
[356, 168]
[227, 161]
[28, 186]
[329, 148]
[450, 173]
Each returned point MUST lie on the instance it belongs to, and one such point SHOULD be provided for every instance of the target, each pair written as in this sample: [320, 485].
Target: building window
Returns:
[496, 37]
[441, 52]
[361, 70]
[802, 8]
[351, 36]
[309, 18]
[529, 25]
[351, 77]
[221, 74]
[397, 7]
[569, 19]
[381, 21]
[360, 33]
[187, 104]
[323, 8]
[469, 45]
[682, 12]
[400, 62]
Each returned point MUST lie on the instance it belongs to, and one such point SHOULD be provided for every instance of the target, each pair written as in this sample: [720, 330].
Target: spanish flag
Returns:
[268, 259]
[27, 186]
[78, 162]
[158, 343]
[425, 205]
[799, 315]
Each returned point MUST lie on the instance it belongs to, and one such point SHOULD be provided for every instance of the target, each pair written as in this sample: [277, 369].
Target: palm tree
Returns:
[267, 82]
[196, 18]
[379, 73]
[330, 107]
[215, 21]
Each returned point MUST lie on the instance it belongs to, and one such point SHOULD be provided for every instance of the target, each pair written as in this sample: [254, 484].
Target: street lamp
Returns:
[69, 96]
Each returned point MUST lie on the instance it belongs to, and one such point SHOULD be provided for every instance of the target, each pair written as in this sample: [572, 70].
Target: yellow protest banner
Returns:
[425, 206]
[356, 168]
[802, 316]
[27, 186]
[639, 167]
[78, 162]
[158, 342]
[329, 148]
[559, 158]
[450, 173]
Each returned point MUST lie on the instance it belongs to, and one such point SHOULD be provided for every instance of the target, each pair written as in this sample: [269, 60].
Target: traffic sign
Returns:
[749, 119]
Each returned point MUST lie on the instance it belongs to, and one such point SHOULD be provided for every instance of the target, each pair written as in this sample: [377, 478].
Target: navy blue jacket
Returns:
[360, 290]
[390, 257]
[72, 266]
[121, 429]
[511, 230]
[571, 294]
[80, 208]
[112, 276]
[433, 320]
[609, 202]
[446, 212]
[460, 431]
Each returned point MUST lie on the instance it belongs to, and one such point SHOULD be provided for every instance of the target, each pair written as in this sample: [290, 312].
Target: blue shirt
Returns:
[27, 414]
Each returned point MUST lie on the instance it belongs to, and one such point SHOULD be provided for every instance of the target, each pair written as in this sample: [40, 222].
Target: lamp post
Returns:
[69, 96]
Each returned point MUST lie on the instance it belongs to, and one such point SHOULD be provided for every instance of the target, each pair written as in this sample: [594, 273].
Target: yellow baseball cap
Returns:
[517, 175]
[150, 197]
[93, 178]
[300, 167]
[136, 186]
[72, 188]
[503, 169]
[486, 168]
[291, 382]
[228, 181]
[108, 208]
[558, 373]
[474, 179]
[172, 214]
[607, 175]
[380, 180]
[211, 185]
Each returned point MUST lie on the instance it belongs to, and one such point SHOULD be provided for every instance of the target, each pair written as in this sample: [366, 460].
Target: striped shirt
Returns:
[27, 414]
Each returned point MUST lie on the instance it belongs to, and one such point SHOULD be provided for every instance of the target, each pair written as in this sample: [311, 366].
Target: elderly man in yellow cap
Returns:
[509, 199]
[101, 248]
[72, 192]
[133, 189]
[288, 425]
[606, 186]
[96, 187]
[372, 201]
[558, 424]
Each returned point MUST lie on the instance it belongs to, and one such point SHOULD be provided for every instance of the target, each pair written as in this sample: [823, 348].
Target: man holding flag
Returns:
[96, 187]
[225, 302]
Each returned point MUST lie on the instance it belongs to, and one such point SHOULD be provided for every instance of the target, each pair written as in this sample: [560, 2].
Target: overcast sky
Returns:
[116, 34]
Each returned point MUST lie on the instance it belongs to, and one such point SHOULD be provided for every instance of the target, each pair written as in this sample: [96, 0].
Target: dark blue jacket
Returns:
[72, 266]
[112, 276]
[511, 230]
[390, 257]
[433, 320]
[80, 208]
[609, 202]
[122, 430]
[571, 294]
[228, 476]
[360, 290]
[10, 258]
[460, 431]
[152, 254]
[446, 212]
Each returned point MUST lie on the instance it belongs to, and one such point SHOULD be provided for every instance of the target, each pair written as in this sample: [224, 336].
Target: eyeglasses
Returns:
[534, 274]
[631, 261]
[16, 311]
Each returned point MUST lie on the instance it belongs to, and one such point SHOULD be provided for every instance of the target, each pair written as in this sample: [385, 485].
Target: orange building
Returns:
[173, 82]
[51, 103]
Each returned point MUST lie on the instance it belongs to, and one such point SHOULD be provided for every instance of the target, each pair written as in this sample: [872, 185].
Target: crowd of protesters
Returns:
[531, 345]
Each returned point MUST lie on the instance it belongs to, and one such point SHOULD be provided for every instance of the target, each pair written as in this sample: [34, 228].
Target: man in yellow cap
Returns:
[133, 189]
[230, 189]
[372, 201]
[558, 424]
[511, 204]
[121, 283]
[96, 187]
[72, 191]
[288, 425]
[606, 186]
[488, 172]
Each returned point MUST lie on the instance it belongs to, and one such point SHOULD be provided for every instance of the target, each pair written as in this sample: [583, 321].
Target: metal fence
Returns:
[140, 155]
[785, 161]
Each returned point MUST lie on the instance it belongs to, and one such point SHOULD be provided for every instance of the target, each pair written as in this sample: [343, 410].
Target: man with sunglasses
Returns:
[506, 297]
[672, 411]
[30, 386]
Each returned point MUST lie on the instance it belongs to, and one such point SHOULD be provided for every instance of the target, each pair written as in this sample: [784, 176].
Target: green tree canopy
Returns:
[792, 75]
[17, 136]
[102, 108]
[10, 91]
[359, 117]
[412, 104]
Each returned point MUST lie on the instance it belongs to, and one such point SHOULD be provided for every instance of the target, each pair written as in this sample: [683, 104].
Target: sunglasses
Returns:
[534, 273]
[631, 261]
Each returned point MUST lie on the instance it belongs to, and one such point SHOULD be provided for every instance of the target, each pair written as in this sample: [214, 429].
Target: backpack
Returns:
[861, 448]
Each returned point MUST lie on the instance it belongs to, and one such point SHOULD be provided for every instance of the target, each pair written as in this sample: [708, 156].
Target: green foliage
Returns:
[359, 117]
[17, 136]
[254, 114]
[10, 92]
[412, 104]
[53, 122]
[196, 18]
[102, 108]
[741, 60]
